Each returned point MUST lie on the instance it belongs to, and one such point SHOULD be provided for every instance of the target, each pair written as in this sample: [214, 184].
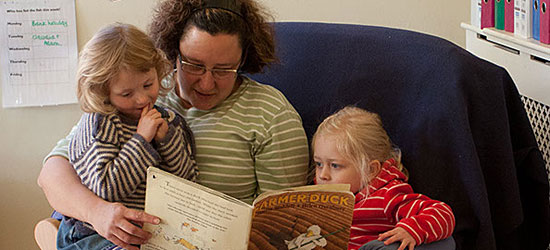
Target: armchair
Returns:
[458, 120]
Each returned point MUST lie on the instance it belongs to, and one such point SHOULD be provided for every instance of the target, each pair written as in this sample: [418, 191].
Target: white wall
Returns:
[437, 17]
[27, 134]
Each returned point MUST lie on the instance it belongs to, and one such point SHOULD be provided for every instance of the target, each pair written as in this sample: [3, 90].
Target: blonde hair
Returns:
[114, 48]
[360, 138]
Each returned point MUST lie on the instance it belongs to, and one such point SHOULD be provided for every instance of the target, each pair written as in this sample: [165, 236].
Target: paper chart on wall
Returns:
[38, 52]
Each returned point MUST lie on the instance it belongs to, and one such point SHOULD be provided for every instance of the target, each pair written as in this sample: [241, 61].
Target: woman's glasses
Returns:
[196, 69]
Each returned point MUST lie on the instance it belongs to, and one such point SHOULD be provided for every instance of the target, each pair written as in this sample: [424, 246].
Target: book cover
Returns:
[544, 22]
[475, 13]
[196, 217]
[536, 19]
[487, 13]
[302, 219]
[499, 14]
[509, 15]
[523, 18]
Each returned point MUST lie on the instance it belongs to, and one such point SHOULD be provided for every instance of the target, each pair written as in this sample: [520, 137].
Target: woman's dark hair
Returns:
[173, 18]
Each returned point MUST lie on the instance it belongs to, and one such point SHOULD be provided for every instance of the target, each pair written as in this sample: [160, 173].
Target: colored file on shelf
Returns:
[536, 19]
[509, 15]
[475, 13]
[499, 14]
[523, 18]
[487, 13]
[545, 21]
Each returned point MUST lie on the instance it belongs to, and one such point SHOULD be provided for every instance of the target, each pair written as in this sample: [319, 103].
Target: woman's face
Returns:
[220, 51]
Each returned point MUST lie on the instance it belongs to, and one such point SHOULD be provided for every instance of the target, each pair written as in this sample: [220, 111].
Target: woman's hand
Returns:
[149, 123]
[398, 234]
[114, 222]
[69, 196]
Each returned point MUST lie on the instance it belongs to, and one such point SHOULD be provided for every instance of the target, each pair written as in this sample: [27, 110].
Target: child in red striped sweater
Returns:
[352, 147]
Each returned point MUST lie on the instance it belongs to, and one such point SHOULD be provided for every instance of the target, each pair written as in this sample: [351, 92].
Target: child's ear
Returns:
[375, 165]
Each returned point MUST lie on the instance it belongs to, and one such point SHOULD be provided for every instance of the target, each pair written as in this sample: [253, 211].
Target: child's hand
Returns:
[162, 130]
[398, 234]
[149, 123]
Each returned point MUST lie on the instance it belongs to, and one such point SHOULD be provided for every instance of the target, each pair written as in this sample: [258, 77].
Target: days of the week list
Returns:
[38, 48]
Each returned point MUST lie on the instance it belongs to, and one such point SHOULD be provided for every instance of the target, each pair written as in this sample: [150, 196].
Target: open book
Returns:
[196, 217]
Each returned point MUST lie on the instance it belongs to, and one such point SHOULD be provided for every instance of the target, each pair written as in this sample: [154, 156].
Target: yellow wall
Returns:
[27, 134]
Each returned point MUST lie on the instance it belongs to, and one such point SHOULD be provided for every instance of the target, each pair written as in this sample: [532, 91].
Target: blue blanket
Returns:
[458, 120]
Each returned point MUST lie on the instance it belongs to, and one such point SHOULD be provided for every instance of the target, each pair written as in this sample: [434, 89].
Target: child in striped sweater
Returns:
[122, 133]
[352, 147]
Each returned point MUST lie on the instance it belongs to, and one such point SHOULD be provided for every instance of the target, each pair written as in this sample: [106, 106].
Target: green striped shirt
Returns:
[250, 143]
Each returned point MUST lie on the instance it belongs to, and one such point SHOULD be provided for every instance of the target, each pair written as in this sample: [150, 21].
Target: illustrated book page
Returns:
[195, 217]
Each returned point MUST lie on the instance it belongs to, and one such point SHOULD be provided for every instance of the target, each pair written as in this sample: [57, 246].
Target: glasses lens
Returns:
[196, 69]
[223, 74]
[193, 69]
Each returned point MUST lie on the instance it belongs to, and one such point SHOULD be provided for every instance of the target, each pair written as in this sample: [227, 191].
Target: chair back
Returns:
[459, 121]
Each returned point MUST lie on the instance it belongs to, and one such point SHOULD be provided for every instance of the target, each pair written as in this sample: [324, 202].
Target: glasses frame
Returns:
[204, 69]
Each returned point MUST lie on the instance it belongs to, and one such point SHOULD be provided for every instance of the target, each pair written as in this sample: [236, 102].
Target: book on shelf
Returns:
[196, 217]
[523, 18]
[509, 15]
[487, 14]
[499, 14]
[475, 13]
[545, 21]
[536, 19]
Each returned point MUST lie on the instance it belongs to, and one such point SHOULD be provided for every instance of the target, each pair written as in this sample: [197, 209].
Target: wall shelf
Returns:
[526, 60]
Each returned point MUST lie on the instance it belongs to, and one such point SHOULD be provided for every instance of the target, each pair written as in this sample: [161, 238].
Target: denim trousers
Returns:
[445, 244]
[73, 236]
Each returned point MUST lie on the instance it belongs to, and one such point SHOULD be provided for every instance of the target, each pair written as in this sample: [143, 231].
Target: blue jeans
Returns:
[446, 244]
[72, 236]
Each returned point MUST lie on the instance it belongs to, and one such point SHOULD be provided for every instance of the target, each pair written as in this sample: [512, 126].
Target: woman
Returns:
[249, 138]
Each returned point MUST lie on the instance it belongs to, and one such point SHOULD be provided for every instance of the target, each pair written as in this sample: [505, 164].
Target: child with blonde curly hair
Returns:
[122, 133]
[352, 147]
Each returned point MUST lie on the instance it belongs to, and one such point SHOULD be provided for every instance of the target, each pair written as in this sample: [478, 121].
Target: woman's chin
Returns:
[204, 102]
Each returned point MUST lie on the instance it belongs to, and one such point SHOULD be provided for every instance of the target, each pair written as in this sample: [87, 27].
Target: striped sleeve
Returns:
[110, 170]
[425, 219]
[176, 149]
[282, 158]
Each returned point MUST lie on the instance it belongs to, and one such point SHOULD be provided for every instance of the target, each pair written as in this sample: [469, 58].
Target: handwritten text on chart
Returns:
[46, 39]
[39, 61]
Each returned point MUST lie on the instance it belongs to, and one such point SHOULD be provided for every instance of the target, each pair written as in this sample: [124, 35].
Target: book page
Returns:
[304, 218]
[193, 216]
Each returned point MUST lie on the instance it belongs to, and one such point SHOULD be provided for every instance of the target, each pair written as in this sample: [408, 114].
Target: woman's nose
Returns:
[207, 81]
